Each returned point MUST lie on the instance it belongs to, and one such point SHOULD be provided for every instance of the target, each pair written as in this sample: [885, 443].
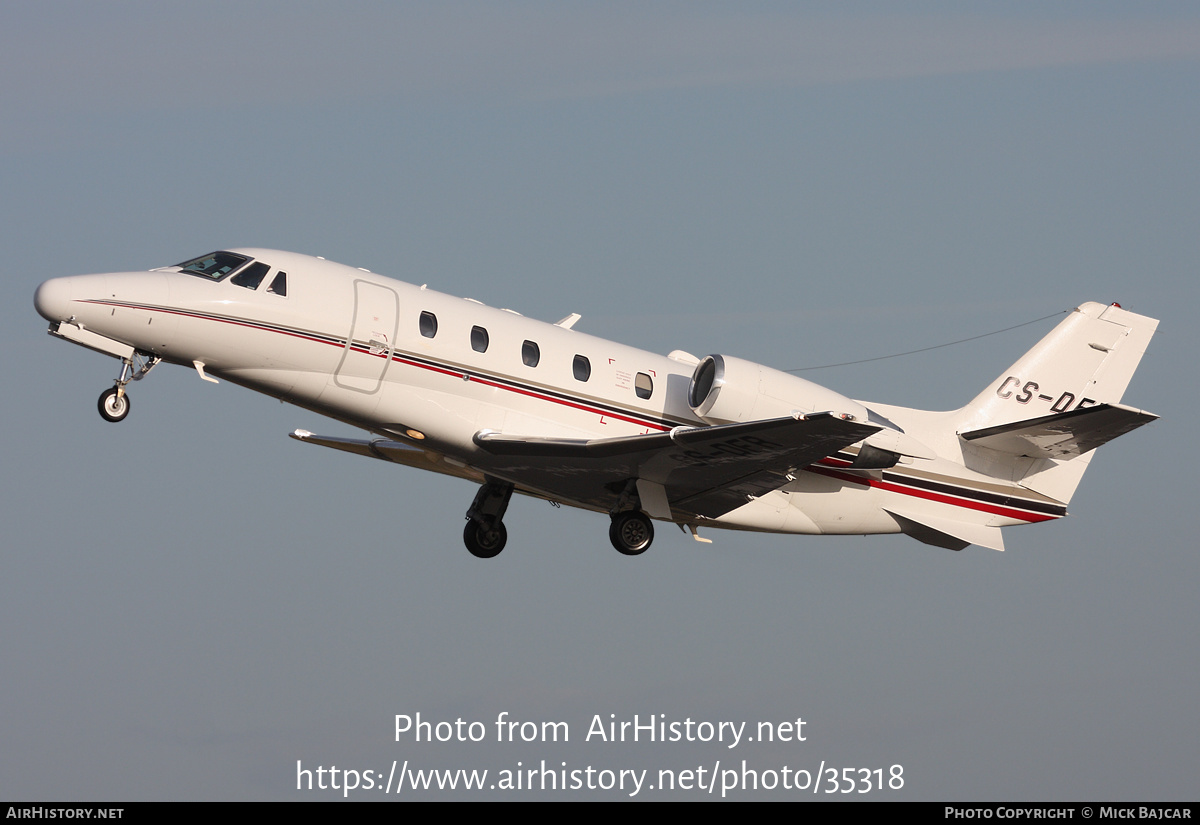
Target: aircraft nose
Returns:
[53, 299]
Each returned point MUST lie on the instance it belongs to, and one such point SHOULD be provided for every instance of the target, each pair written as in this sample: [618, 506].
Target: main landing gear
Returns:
[114, 402]
[485, 534]
[631, 532]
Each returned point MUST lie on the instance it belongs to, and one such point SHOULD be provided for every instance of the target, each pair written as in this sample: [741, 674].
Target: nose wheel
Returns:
[113, 404]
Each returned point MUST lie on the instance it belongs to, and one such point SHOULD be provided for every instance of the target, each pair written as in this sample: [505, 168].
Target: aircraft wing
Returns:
[1062, 435]
[394, 451]
[705, 471]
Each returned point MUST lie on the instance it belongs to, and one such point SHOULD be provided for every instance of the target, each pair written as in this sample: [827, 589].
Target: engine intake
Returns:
[725, 389]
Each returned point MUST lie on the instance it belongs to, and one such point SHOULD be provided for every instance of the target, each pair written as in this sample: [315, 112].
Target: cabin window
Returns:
[479, 339]
[251, 276]
[642, 385]
[582, 368]
[279, 285]
[428, 324]
[530, 354]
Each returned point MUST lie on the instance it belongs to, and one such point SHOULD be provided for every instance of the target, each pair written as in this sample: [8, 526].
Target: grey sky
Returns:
[192, 601]
[223, 54]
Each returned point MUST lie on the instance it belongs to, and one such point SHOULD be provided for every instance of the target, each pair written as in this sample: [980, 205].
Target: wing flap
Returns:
[1062, 435]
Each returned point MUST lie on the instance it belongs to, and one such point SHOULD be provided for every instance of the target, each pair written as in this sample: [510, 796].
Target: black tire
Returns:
[485, 542]
[631, 533]
[112, 407]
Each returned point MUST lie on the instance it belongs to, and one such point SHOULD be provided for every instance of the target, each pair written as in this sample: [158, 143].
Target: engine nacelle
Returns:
[726, 389]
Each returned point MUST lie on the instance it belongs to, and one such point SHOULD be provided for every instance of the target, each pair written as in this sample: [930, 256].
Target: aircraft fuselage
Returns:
[443, 380]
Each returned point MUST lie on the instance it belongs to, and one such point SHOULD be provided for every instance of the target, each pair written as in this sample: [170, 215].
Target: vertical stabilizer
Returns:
[1086, 361]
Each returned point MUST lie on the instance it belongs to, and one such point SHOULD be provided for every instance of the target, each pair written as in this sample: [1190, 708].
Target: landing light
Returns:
[415, 434]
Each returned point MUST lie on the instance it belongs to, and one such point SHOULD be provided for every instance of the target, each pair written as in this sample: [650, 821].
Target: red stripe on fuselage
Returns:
[846, 477]
[399, 358]
[957, 501]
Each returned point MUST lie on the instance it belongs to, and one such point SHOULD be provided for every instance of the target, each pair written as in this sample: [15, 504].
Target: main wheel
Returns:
[631, 533]
[113, 407]
[485, 542]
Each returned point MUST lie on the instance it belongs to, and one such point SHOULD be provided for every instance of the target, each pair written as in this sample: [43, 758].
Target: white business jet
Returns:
[517, 405]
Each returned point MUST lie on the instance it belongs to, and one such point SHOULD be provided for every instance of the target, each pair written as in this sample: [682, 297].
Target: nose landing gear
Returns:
[114, 402]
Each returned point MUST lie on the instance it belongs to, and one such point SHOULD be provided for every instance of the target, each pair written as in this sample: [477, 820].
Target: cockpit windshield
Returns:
[215, 265]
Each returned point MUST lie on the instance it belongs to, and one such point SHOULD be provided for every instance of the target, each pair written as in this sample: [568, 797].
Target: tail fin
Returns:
[1038, 422]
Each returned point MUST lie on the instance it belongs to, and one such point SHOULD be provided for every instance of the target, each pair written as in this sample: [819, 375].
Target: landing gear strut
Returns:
[114, 402]
[485, 534]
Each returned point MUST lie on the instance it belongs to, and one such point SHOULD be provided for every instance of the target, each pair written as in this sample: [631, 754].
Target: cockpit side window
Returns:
[251, 276]
[279, 285]
[215, 265]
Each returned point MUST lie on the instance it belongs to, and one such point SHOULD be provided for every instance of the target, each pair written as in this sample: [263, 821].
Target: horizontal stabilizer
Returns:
[1062, 435]
[953, 535]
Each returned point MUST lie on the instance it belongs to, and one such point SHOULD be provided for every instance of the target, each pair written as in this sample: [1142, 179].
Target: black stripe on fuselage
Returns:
[958, 489]
[587, 404]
